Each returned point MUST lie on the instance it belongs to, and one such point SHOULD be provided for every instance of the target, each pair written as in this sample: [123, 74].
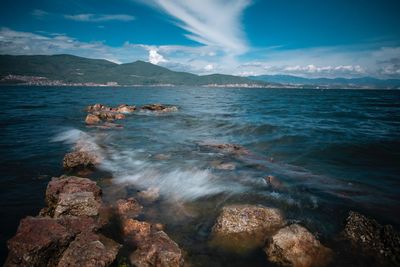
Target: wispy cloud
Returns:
[100, 17]
[209, 22]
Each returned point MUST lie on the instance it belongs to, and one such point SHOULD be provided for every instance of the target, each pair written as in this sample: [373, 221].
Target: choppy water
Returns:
[333, 150]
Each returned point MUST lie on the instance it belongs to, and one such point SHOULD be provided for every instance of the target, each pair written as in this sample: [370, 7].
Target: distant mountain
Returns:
[365, 82]
[73, 70]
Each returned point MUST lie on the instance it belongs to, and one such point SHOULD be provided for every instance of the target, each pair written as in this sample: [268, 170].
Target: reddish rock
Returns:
[79, 160]
[76, 225]
[128, 208]
[119, 116]
[242, 228]
[159, 108]
[273, 182]
[69, 185]
[125, 108]
[295, 246]
[92, 119]
[96, 107]
[135, 231]
[77, 204]
[38, 242]
[158, 250]
[90, 250]
[230, 148]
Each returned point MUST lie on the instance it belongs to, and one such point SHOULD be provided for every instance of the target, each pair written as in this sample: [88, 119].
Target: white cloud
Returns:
[100, 17]
[155, 57]
[209, 67]
[209, 22]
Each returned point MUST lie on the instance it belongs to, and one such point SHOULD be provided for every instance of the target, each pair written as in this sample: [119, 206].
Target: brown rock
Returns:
[158, 250]
[125, 108]
[90, 250]
[119, 116]
[79, 160]
[230, 148]
[128, 208]
[159, 108]
[38, 242]
[69, 185]
[77, 204]
[273, 182]
[242, 228]
[135, 231]
[92, 119]
[295, 246]
[225, 166]
[381, 244]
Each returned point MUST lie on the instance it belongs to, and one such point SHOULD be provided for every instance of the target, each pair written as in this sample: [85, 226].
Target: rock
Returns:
[295, 246]
[135, 231]
[158, 250]
[273, 182]
[150, 195]
[162, 156]
[90, 250]
[119, 116]
[77, 204]
[243, 228]
[38, 242]
[76, 225]
[230, 148]
[225, 166]
[96, 107]
[92, 119]
[79, 160]
[128, 208]
[159, 108]
[126, 108]
[380, 243]
[69, 185]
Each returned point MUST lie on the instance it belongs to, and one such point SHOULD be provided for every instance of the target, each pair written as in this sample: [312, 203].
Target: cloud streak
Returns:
[100, 17]
[209, 22]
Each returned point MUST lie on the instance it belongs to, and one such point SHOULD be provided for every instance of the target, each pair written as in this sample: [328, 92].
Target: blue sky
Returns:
[310, 38]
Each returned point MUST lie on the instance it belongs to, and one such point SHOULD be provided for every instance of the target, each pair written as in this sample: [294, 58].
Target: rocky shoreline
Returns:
[79, 228]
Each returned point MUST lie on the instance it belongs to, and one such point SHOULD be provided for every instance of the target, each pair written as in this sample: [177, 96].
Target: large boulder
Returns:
[381, 244]
[90, 250]
[242, 228]
[78, 160]
[295, 246]
[61, 192]
[157, 250]
[38, 242]
[135, 231]
[77, 204]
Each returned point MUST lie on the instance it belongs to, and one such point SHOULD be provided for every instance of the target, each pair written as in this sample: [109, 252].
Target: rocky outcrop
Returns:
[99, 113]
[295, 246]
[90, 250]
[124, 108]
[159, 108]
[380, 243]
[242, 228]
[78, 160]
[92, 119]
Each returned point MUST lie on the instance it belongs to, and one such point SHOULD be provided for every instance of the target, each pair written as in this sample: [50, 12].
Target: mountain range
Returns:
[73, 70]
[68, 70]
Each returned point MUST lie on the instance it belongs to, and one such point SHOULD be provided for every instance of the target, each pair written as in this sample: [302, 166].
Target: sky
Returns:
[308, 38]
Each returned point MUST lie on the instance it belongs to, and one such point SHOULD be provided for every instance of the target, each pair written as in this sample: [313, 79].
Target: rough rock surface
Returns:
[90, 250]
[230, 148]
[79, 160]
[77, 204]
[295, 246]
[124, 108]
[242, 228]
[38, 242]
[69, 185]
[159, 108]
[128, 208]
[135, 231]
[381, 243]
[157, 250]
[92, 119]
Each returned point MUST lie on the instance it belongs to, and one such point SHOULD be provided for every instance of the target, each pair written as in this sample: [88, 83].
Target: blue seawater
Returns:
[332, 150]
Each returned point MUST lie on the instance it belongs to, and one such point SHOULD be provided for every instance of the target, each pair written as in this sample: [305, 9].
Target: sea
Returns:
[332, 151]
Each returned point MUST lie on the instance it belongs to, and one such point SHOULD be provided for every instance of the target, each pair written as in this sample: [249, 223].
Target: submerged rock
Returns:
[157, 250]
[79, 160]
[128, 208]
[159, 108]
[90, 249]
[242, 228]
[150, 195]
[380, 243]
[295, 246]
[273, 182]
[230, 148]
[229, 166]
[38, 242]
[92, 119]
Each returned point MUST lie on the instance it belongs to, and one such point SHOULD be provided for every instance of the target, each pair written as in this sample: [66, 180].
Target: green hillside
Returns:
[73, 69]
